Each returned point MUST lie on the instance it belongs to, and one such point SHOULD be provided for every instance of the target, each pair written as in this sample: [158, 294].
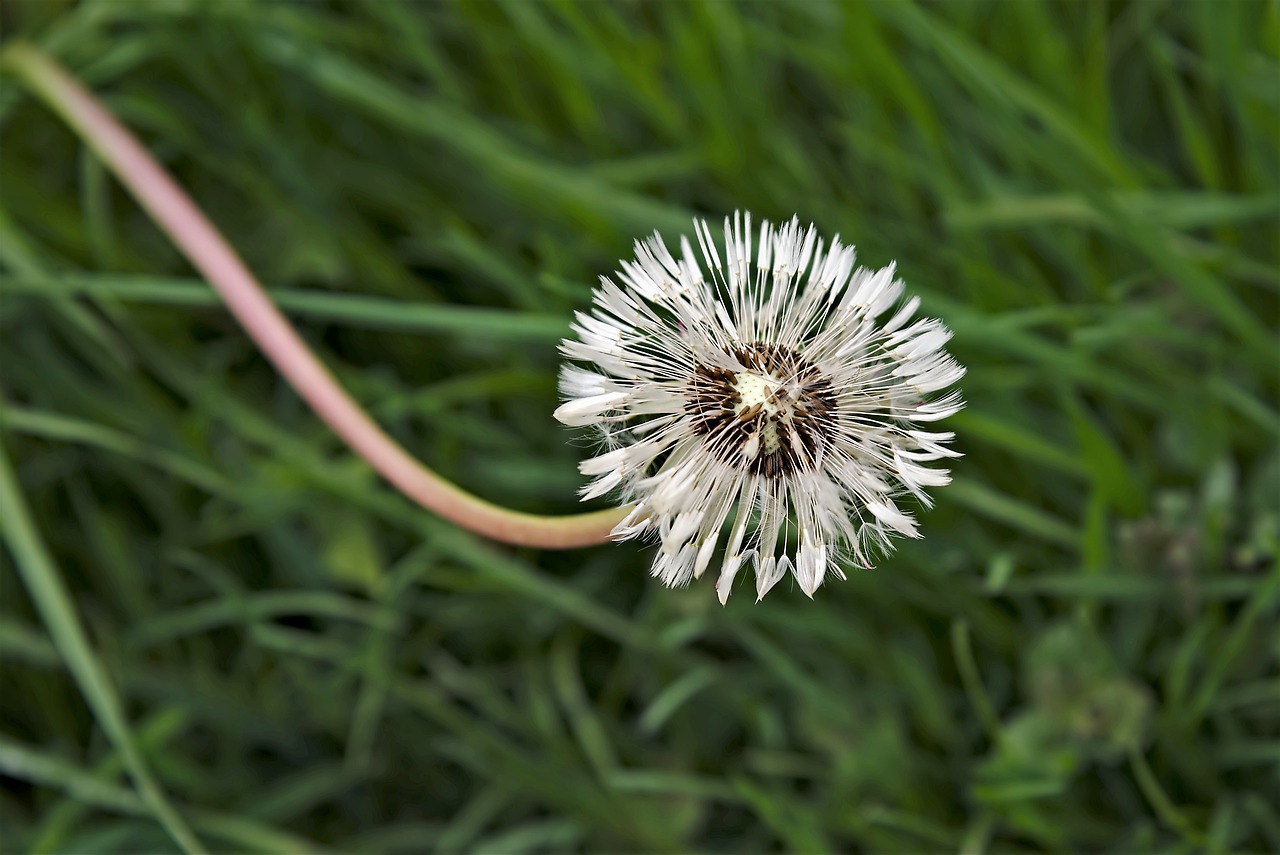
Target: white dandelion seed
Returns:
[768, 395]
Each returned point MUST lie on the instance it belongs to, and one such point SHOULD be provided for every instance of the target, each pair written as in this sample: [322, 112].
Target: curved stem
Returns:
[210, 254]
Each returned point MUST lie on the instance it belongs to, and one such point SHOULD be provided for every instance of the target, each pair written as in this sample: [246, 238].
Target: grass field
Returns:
[1081, 655]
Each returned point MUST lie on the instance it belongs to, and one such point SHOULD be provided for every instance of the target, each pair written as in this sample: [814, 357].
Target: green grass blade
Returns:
[53, 601]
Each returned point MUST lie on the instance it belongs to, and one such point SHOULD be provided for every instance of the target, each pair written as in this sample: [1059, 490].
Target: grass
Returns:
[199, 582]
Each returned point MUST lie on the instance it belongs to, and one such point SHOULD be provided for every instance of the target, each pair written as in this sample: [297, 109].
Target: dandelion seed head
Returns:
[763, 400]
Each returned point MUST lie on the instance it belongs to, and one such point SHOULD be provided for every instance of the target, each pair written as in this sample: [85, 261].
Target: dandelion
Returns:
[767, 399]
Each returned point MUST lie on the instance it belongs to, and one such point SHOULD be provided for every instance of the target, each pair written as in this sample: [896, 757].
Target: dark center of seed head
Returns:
[773, 418]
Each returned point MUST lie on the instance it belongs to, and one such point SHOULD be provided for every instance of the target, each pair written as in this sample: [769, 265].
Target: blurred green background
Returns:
[1081, 655]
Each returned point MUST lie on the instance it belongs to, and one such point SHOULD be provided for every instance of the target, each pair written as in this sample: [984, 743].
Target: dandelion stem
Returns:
[213, 257]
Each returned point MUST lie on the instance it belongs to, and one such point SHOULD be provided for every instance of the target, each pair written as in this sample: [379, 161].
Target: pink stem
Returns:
[210, 254]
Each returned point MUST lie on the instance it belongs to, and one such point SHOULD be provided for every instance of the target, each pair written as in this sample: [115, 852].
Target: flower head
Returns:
[768, 394]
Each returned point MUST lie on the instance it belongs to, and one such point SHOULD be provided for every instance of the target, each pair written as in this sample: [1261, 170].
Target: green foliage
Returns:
[1081, 655]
